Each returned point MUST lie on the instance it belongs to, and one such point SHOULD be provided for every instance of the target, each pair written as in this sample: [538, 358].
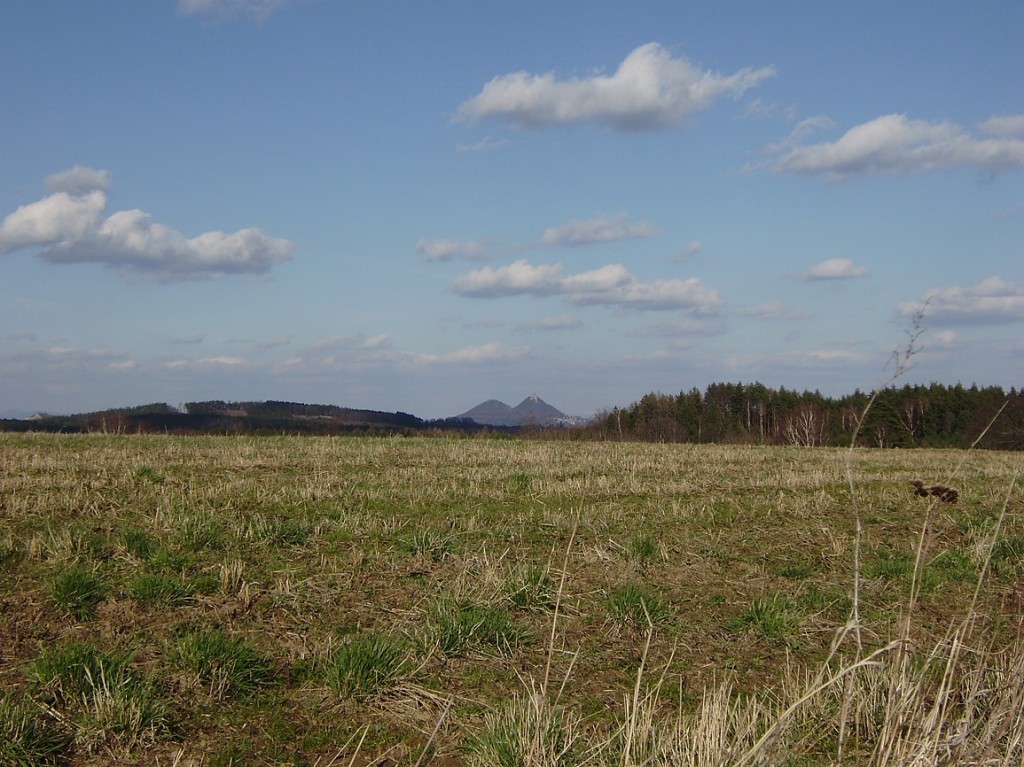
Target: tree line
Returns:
[910, 416]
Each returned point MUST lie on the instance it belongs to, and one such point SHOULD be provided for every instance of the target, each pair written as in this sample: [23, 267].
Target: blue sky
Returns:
[418, 206]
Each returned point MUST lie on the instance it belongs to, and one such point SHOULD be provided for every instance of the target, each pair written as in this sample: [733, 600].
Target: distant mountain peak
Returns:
[532, 410]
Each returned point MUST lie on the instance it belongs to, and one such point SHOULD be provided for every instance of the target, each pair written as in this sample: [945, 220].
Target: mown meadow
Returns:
[411, 601]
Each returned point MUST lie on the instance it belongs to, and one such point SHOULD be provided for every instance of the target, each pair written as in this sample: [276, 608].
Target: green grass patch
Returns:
[637, 606]
[28, 736]
[222, 665]
[367, 665]
[456, 627]
[78, 591]
[772, 616]
[158, 589]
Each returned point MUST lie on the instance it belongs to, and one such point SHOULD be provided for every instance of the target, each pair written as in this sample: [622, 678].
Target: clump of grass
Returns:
[11, 551]
[955, 565]
[287, 532]
[428, 543]
[224, 665]
[149, 474]
[520, 482]
[527, 729]
[637, 606]
[773, 616]
[108, 703]
[28, 737]
[200, 531]
[78, 590]
[532, 588]
[890, 565]
[458, 626]
[366, 666]
[158, 589]
[643, 549]
[138, 543]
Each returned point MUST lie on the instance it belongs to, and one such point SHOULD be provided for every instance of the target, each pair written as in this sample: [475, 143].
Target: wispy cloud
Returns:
[610, 285]
[487, 144]
[992, 301]
[548, 324]
[257, 10]
[650, 90]
[600, 230]
[835, 269]
[207, 363]
[775, 310]
[895, 144]
[689, 251]
[69, 225]
[450, 250]
[490, 352]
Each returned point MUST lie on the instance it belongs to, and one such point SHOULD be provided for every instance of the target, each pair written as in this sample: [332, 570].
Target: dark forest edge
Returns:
[934, 416]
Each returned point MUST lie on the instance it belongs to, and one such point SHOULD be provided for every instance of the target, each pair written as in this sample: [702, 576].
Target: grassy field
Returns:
[322, 601]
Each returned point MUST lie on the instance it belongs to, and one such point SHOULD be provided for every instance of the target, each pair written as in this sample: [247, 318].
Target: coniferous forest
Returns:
[908, 416]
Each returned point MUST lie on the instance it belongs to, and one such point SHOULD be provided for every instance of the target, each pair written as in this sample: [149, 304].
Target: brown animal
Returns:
[943, 493]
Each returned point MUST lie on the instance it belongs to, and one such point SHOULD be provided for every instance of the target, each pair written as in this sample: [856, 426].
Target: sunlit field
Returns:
[328, 601]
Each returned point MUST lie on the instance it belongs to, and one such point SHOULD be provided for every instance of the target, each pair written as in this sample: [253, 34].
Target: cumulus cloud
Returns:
[992, 301]
[78, 181]
[517, 278]
[835, 269]
[603, 229]
[258, 10]
[610, 285]
[895, 144]
[650, 90]
[69, 225]
[1005, 125]
[450, 250]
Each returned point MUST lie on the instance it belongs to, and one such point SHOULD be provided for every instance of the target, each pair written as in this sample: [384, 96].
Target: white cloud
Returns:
[835, 269]
[894, 144]
[57, 218]
[259, 10]
[517, 278]
[610, 285]
[71, 229]
[449, 250]
[1004, 125]
[490, 352]
[992, 301]
[79, 180]
[650, 90]
[603, 229]
[207, 363]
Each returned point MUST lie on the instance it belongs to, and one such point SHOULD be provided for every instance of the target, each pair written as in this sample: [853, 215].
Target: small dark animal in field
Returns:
[943, 493]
